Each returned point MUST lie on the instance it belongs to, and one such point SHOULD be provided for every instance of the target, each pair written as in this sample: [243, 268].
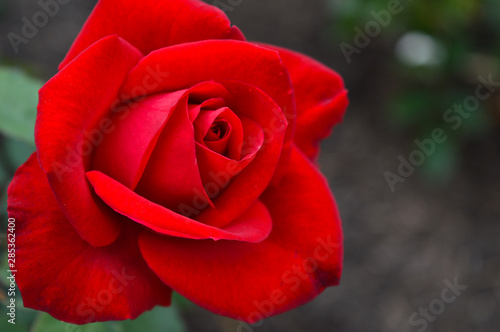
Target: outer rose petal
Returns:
[320, 96]
[253, 225]
[302, 255]
[216, 60]
[60, 273]
[155, 24]
[74, 104]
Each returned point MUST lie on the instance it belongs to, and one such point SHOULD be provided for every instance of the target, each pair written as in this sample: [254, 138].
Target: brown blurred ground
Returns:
[399, 247]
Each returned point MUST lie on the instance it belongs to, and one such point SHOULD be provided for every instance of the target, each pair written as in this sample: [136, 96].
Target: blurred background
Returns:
[419, 212]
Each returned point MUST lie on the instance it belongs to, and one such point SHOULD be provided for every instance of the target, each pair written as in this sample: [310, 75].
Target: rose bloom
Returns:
[172, 154]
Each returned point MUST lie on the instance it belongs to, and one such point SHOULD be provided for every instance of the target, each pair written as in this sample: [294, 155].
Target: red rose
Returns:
[173, 154]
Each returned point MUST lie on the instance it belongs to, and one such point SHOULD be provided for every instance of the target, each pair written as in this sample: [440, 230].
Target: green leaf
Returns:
[45, 323]
[180, 302]
[18, 151]
[19, 98]
[24, 316]
[4, 175]
[158, 319]
[6, 326]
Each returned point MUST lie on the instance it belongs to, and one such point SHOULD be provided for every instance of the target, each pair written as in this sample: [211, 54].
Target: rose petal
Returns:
[125, 151]
[209, 104]
[60, 273]
[254, 137]
[156, 24]
[206, 91]
[320, 96]
[216, 60]
[71, 117]
[171, 177]
[254, 225]
[246, 281]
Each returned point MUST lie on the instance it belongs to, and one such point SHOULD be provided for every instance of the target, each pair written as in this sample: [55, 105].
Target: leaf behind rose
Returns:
[18, 102]
[158, 319]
